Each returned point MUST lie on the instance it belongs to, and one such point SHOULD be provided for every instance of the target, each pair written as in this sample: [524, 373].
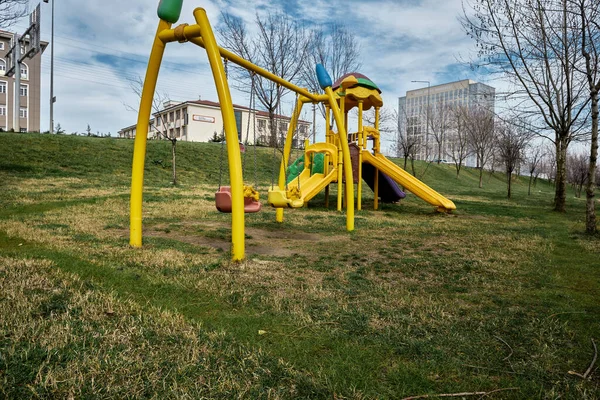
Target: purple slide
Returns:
[389, 191]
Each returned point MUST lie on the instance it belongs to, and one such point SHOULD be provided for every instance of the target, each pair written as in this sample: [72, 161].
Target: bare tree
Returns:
[577, 171]
[411, 145]
[589, 12]
[11, 11]
[533, 44]
[160, 125]
[336, 48]
[280, 47]
[438, 118]
[512, 141]
[407, 143]
[458, 143]
[479, 123]
[534, 158]
[387, 119]
[548, 166]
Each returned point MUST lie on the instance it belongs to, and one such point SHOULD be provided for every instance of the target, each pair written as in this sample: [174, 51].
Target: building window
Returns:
[23, 130]
[2, 87]
[23, 90]
[22, 113]
[171, 116]
[22, 50]
[177, 115]
[262, 124]
[238, 123]
[2, 110]
[2, 67]
[1, 45]
[24, 71]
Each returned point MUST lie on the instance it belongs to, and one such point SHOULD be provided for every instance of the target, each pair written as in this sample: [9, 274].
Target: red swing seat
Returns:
[223, 201]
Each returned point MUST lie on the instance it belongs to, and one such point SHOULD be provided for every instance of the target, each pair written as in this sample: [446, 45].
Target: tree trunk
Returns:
[405, 161]
[458, 170]
[560, 181]
[590, 208]
[439, 159]
[509, 183]
[412, 166]
[173, 161]
[530, 180]
[273, 138]
[480, 177]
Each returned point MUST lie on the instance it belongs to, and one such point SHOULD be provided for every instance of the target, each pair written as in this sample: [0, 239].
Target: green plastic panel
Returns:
[298, 166]
[368, 83]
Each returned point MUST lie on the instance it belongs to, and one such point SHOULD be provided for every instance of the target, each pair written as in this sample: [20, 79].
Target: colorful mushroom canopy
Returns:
[363, 81]
[357, 88]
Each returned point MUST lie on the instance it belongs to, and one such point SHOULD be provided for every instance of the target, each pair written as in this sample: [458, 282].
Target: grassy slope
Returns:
[501, 294]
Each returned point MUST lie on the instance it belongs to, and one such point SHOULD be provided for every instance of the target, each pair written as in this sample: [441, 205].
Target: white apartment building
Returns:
[413, 109]
[200, 120]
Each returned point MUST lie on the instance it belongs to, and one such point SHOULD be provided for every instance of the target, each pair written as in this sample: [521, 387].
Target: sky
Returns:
[101, 45]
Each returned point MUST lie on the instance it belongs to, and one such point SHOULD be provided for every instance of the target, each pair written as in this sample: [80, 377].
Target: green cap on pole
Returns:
[170, 10]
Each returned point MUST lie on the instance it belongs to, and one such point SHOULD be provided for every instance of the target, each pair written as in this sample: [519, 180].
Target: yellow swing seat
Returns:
[281, 198]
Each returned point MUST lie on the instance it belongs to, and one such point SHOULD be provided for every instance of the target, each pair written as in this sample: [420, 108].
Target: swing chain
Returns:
[248, 124]
[222, 136]
[295, 132]
[254, 133]
[275, 127]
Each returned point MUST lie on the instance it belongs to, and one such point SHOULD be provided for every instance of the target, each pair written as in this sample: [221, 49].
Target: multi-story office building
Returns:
[29, 91]
[200, 120]
[436, 105]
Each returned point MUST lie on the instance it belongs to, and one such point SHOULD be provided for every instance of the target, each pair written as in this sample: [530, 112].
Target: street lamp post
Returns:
[52, 99]
[426, 118]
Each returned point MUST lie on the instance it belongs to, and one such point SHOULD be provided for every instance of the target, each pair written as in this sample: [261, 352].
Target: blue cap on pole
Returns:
[323, 77]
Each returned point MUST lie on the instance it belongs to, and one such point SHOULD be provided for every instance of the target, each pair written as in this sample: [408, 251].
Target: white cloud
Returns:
[399, 41]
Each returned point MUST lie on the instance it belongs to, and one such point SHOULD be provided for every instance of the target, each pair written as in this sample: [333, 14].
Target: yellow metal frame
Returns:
[202, 35]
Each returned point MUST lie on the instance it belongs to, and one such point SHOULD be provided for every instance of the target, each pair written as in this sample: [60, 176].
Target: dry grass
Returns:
[417, 289]
[35, 190]
[322, 257]
[65, 338]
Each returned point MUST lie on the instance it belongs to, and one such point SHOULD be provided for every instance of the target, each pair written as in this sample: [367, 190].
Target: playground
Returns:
[340, 165]
[346, 278]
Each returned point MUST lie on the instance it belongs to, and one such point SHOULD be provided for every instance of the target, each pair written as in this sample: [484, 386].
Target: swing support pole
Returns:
[139, 150]
[233, 150]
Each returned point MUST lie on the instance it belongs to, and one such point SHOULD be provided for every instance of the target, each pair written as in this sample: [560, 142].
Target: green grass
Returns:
[499, 294]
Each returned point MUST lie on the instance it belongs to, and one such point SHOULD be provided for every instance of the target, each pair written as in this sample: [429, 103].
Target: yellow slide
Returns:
[408, 181]
[310, 186]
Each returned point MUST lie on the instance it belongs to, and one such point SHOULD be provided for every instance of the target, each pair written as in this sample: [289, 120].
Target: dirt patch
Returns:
[281, 243]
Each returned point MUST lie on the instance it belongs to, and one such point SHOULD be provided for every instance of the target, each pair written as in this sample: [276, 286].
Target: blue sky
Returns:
[100, 45]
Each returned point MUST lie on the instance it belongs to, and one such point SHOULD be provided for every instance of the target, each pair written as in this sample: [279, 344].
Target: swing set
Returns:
[236, 198]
